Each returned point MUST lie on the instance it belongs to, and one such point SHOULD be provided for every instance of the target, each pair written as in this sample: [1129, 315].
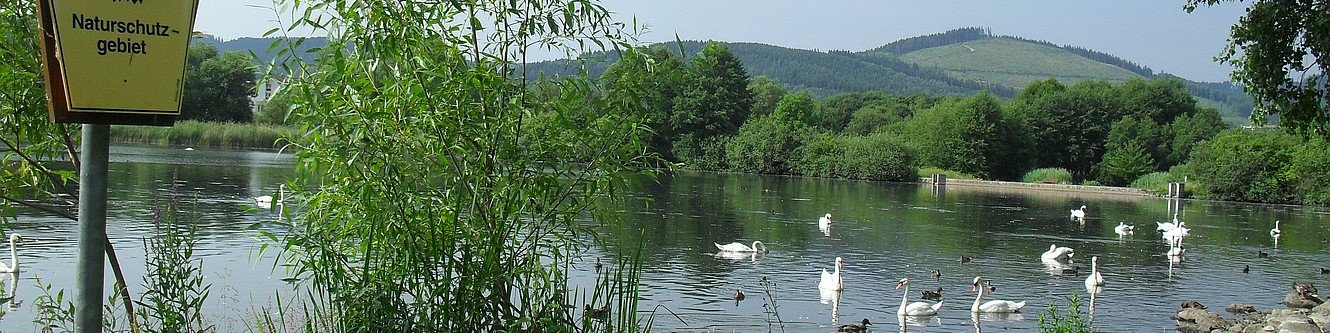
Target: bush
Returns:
[1071, 321]
[1246, 165]
[1091, 182]
[1048, 175]
[875, 157]
[765, 145]
[1124, 163]
[1155, 182]
[1309, 174]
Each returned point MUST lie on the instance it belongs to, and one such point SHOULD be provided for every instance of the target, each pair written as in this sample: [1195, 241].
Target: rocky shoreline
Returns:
[1304, 312]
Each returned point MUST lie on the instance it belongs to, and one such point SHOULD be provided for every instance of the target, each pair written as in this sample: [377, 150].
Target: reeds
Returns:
[207, 134]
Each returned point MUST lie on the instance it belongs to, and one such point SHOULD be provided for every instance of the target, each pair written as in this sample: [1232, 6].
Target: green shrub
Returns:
[1309, 174]
[1124, 163]
[1091, 182]
[1048, 175]
[1246, 165]
[765, 145]
[1155, 182]
[1071, 321]
[875, 157]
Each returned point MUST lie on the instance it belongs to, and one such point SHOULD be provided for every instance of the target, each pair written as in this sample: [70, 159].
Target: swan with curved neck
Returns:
[267, 201]
[1094, 280]
[994, 306]
[14, 239]
[1078, 213]
[1275, 232]
[832, 281]
[916, 308]
[1059, 254]
[740, 247]
[824, 222]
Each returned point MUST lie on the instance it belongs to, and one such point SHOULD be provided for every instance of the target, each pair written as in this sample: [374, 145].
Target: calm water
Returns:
[884, 232]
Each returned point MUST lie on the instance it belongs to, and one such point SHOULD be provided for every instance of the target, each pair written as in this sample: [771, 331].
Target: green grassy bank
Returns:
[205, 134]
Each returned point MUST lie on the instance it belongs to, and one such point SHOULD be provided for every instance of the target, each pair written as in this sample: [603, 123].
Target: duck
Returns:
[916, 308]
[1095, 279]
[931, 295]
[994, 306]
[1078, 213]
[861, 327]
[1193, 305]
[740, 247]
[824, 222]
[14, 240]
[937, 274]
[597, 265]
[1123, 229]
[739, 295]
[1324, 270]
[1275, 232]
[1246, 269]
[965, 259]
[1262, 254]
[1059, 254]
[832, 281]
[595, 313]
[1073, 270]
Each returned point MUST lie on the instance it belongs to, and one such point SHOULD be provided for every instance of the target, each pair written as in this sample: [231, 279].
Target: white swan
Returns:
[832, 281]
[740, 247]
[1060, 254]
[1078, 213]
[824, 222]
[266, 201]
[14, 238]
[1123, 229]
[1094, 280]
[1275, 232]
[916, 308]
[994, 306]
[1174, 248]
[1177, 233]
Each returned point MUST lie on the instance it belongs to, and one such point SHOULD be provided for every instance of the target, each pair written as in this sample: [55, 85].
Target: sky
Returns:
[1154, 33]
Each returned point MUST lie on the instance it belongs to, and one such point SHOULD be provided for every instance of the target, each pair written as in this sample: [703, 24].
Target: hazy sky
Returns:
[1154, 33]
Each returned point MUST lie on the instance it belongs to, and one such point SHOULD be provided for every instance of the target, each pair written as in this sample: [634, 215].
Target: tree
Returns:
[217, 88]
[1245, 165]
[797, 108]
[1124, 163]
[714, 98]
[766, 93]
[1188, 130]
[657, 74]
[970, 136]
[1282, 53]
[1150, 138]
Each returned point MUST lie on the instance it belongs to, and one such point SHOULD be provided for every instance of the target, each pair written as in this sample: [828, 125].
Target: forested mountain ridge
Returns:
[998, 64]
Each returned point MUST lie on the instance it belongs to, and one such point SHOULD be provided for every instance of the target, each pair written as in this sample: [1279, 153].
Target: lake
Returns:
[883, 232]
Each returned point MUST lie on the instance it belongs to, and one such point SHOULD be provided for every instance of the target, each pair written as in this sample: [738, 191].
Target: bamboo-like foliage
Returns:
[440, 192]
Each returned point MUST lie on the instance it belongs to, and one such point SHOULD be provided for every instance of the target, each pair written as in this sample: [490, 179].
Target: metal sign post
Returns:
[92, 227]
[109, 62]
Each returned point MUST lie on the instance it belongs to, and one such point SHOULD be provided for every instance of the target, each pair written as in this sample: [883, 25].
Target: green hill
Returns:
[1014, 63]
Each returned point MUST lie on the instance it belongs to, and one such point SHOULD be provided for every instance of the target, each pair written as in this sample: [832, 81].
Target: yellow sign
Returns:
[119, 56]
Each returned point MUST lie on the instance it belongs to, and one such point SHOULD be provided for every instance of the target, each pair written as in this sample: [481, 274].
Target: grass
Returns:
[206, 134]
[1155, 182]
[1014, 63]
[1048, 175]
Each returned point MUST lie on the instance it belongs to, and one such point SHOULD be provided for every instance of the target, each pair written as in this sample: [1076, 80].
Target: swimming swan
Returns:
[1094, 280]
[832, 281]
[1275, 232]
[916, 308]
[994, 306]
[1123, 229]
[14, 238]
[824, 222]
[266, 201]
[1059, 254]
[740, 247]
[1078, 213]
